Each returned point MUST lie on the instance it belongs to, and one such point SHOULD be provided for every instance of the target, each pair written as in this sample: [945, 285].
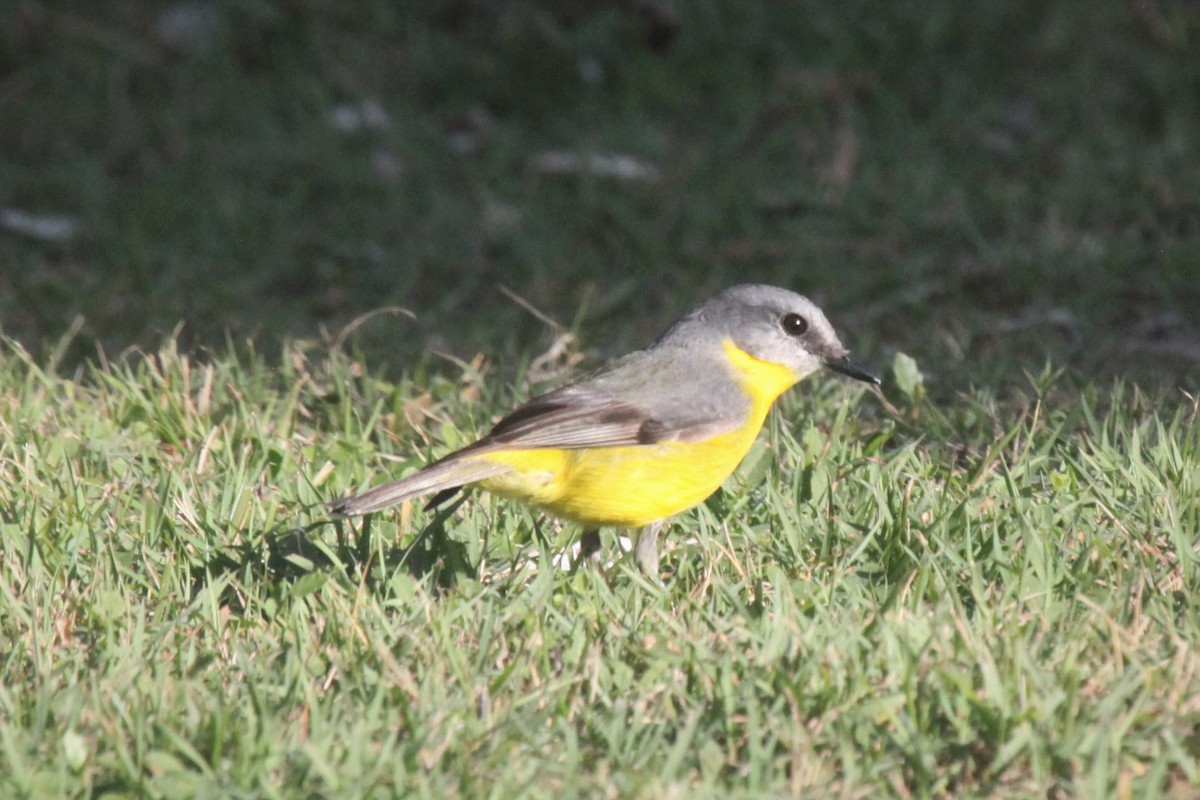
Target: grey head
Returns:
[772, 324]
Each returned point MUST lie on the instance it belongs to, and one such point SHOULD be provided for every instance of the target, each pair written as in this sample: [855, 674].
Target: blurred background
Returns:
[989, 186]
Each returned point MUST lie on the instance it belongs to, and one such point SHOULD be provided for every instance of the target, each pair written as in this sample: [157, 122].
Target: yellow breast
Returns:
[628, 487]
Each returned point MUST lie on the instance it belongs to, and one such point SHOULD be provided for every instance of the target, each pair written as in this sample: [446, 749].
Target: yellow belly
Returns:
[625, 487]
[628, 487]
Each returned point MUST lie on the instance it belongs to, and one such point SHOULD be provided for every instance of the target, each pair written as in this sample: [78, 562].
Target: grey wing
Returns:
[628, 405]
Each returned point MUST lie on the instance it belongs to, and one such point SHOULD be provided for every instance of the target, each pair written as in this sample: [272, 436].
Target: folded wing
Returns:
[588, 414]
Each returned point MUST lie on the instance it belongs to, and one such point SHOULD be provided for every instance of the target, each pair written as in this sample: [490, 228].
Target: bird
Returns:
[650, 435]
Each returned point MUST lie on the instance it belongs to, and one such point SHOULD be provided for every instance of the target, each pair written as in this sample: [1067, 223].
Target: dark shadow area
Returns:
[296, 561]
[988, 186]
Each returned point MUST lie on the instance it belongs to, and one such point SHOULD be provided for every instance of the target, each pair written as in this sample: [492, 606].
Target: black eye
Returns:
[794, 324]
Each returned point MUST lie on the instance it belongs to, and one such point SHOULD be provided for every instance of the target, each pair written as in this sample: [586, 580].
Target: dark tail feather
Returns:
[437, 477]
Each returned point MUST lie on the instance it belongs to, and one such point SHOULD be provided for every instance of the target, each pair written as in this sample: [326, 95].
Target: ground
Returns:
[253, 256]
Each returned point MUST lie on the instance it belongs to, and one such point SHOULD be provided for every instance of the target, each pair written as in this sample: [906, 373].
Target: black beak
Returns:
[852, 370]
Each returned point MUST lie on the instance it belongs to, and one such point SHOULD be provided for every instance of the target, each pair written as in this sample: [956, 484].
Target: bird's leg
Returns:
[646, 549]
[589, 546]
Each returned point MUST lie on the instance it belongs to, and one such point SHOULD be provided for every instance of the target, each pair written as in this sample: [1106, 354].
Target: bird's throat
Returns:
[762, 381]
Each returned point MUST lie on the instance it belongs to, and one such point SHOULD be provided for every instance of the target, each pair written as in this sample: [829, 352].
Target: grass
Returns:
[991, 598]
[984, 591]
[957, 181]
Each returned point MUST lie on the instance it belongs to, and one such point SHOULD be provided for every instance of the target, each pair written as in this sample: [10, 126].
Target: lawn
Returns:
[283, 252]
